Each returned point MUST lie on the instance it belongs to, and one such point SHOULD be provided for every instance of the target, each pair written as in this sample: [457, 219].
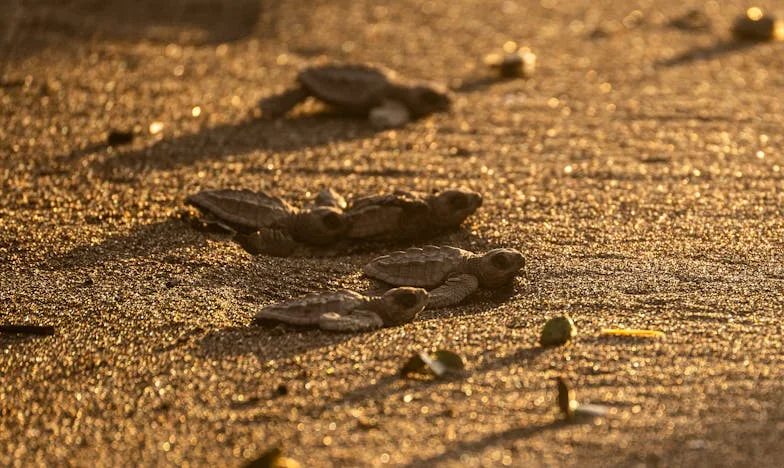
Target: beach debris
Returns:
[119, 137]
[441, 363]
[693, 20]
[359, 90]
[273, 458]
[757, 25]
[632, 332]
[558, 331]
[514, 62]
[348, 311]
[571, 409]
[590, 411]
[40, 330]
[267, 224]
[452, 273]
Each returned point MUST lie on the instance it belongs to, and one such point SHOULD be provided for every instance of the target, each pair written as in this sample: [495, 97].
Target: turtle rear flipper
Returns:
[328, 197]
[356, 320]
[279, 104]
[453, 291]
[270, 242]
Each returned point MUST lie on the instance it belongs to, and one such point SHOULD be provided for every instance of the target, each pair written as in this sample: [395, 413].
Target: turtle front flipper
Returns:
[270, 242]
[453, 291]
[355, 321]
[279, 104]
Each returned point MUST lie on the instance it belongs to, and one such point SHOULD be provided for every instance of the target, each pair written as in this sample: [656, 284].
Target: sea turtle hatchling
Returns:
[267, 224]
[359, 90]
[453, 273]
[349, 311]
[404, 215]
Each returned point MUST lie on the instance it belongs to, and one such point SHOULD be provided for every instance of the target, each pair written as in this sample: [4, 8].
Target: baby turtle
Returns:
[267, 224]
[348, 311]
[454, 273]
[404, 215]
[558, 331]
[358, 90]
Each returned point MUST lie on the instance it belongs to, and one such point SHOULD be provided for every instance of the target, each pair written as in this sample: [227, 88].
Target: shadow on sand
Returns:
[718, 49]
[391, 383]
[269, 342]
[42, 23]
[480, 83]
[215, 143]
[460, 447]
[141, 241]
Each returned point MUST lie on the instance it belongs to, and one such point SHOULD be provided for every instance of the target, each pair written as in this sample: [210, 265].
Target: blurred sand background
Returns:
[640, 171]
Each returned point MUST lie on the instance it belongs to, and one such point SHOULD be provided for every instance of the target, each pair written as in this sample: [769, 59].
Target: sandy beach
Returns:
[640, 171]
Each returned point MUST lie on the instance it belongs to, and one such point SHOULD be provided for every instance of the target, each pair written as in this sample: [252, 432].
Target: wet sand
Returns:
[640, 171]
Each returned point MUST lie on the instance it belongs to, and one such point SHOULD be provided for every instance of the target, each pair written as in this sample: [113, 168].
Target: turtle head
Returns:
[424, 99]
[452, 207]
[401, 305]
[498, 267]
[321, 225]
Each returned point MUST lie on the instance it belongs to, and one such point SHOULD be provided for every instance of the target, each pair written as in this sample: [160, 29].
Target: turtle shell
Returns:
[307, 310]
[353, 88]
[243, 210]
[395, 216]
[427, 267]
